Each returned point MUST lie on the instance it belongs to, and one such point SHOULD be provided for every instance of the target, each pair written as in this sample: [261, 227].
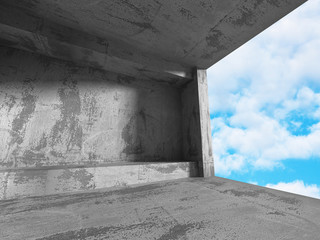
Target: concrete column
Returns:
[206, 166]
[196, 125]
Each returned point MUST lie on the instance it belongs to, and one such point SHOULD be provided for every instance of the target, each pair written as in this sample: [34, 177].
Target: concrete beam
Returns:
[23, 30]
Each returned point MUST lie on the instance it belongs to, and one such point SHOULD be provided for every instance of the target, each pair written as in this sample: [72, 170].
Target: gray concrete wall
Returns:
[53, 113]
[68, 128]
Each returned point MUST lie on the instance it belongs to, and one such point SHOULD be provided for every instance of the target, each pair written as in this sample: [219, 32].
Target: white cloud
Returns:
[297, 187]
[262, 144]
[228, 163]
[258, 86]
[273, 64]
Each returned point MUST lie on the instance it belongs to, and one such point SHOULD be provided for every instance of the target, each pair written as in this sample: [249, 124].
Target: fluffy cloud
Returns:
[264, 96]
[263, 143]
[297, 187]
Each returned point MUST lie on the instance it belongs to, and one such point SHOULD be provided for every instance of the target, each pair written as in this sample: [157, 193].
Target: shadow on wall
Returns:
[53, 113]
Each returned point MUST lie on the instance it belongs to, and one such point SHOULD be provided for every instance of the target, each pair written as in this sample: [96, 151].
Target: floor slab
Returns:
[191, 208]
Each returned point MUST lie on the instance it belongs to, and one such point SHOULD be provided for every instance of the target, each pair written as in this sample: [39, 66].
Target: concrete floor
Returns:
[193, 208]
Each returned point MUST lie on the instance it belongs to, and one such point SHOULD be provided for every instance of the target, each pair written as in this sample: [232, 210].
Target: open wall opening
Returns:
[265, 106]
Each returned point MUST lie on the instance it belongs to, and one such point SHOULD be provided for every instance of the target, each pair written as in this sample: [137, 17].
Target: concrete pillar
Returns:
[206, 166]
[196, 124]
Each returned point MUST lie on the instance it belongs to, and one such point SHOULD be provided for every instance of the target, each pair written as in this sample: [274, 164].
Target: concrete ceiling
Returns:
[157, 39]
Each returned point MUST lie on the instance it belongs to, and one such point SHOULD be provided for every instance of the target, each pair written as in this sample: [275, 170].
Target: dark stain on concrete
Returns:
[276, 213]
[81, 175]
[89, 104]
[92, 156]
[65, 15]
[142, 25]
[105, 232]
[288, 200]
[9, 102]
[133, 134]
[214, 39]
[242, 193]
[185, 167]
[124, 79]
[69, 119]
[247, 17]
[32, 158]
[257, 3]
[29, 176]
[42, 143]
[143, 117]
[103, 42]
[28, 103]
[256, 193]
[189, 198]
[191, 137]
[217, 184]
[139, 11]
[276, 3]
[63, 200]
[180, 231]
[182, 208]
[187, 14]
[170, 168]
[56, 154]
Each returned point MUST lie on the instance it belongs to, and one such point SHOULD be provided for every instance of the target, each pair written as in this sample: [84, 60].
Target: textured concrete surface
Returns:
[95, 82]
[193, 208]
[46, 110]
[196, 128]
[150, 38]
[56, 114]
[58, 179]
[206, 163]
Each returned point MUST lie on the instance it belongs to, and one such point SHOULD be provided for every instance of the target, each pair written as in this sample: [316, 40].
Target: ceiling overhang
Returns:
[160, 40]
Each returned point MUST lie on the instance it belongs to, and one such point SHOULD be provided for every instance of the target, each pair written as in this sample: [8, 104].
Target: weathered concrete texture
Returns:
[35, 34]
[196, 128]
[112, 82]
[206, 163]
[183, 209]
[54, 113]
[37, 182]
[142, 36]
[191, 122]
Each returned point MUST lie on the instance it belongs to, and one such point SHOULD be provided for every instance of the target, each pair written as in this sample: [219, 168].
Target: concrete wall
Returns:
[53, 113]
[66, 128]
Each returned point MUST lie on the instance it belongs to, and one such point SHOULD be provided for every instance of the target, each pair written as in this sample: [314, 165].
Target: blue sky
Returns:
[265, 106]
